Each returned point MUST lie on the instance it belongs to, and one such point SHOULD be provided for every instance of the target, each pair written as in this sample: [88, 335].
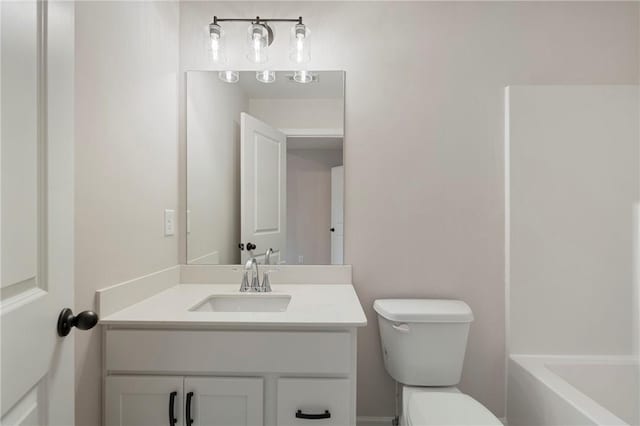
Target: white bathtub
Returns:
[564, 391]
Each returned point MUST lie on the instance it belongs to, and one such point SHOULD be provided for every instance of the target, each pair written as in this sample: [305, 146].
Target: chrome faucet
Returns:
[266, 284]
[255, 281]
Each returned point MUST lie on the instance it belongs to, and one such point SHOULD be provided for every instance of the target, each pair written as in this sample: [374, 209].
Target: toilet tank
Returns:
[424, 340]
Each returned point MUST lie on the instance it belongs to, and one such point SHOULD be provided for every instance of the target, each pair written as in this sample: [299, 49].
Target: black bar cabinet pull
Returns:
[188, 416]
[172, 414]
[301, 415]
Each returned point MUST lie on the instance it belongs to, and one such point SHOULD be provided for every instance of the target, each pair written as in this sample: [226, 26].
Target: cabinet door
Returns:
[143, 401]
[227, 401]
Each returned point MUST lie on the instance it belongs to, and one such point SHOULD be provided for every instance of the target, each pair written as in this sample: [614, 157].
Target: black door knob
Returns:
[84, 321]
[251, 246]
[333, 229]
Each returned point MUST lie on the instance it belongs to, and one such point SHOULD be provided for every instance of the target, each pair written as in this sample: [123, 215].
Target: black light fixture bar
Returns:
[257, 20]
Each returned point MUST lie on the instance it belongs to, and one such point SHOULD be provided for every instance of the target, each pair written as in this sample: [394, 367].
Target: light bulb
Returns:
[229, 76]
[302, 76]
[300, 46]
[216, 38]
[258, 38]
[266, 76]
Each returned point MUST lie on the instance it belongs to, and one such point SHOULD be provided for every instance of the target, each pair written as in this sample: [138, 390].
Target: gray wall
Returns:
[213, 180]
[423, 146]
[309, 204]
[424, 141]
[126, 160]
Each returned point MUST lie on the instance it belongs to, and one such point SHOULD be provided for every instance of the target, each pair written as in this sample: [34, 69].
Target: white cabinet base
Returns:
[253, 378]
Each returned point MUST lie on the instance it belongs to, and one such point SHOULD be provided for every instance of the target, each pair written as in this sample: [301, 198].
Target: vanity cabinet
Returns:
[229, 377]
[183, 401]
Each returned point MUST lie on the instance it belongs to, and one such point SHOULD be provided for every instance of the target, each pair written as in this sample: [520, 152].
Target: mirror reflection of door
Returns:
[263, 194]
[337, 215]
[265, 169]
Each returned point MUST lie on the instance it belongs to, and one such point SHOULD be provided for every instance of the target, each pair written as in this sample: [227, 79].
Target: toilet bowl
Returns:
[443, 407]
[423, 346]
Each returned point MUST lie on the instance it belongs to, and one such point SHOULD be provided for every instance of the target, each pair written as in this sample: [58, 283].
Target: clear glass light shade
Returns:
[229, 76]
[258, 43]
[299, 50]
[217, 44]
[266, 76]
[302, 76]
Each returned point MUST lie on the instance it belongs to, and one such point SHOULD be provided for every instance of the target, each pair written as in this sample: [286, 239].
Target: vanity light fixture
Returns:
[229, 76]
[266, 76]
[258, 41]
[216, 39]
[299, 45]
[303, 76]
[260, 36]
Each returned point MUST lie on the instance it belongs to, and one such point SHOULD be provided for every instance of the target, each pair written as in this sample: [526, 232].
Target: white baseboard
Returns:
[373, 421]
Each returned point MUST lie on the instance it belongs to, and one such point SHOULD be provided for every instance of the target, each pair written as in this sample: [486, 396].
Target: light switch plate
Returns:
[169, 222]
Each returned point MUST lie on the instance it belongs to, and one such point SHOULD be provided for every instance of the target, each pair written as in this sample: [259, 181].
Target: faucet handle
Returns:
[266, 283]
[245, 282]
[267, 256]
[255, 283]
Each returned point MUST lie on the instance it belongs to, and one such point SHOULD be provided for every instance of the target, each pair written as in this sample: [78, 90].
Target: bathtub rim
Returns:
[536, 367]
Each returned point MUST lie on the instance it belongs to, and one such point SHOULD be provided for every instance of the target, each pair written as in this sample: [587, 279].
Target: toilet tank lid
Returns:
[423, 310]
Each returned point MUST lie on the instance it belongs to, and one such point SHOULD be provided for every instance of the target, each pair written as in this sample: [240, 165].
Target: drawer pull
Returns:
[188, 418]
[172, 403]
[301, 415]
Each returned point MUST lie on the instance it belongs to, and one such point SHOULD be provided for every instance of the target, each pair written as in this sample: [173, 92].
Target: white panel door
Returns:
[337, 215]
[143, 401]
[263, 193]
[37, 64]
[228, 401]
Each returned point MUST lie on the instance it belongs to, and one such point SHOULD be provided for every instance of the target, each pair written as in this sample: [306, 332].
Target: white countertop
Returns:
[311, 305]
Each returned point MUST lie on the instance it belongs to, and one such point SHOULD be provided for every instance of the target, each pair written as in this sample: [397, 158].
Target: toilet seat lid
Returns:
[448, 409]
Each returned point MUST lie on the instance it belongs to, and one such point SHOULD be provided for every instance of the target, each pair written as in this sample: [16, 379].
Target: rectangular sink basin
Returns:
[244, 303]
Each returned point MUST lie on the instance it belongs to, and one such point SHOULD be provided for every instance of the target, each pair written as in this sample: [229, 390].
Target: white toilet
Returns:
[423, 345]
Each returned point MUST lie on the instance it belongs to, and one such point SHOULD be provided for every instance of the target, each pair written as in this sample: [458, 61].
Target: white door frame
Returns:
[337, 228]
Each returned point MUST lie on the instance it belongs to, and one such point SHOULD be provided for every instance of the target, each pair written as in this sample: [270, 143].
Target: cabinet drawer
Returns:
[314, 397]
[205, 351]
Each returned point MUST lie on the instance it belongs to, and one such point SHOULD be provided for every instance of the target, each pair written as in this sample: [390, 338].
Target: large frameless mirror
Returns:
[265, 167]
